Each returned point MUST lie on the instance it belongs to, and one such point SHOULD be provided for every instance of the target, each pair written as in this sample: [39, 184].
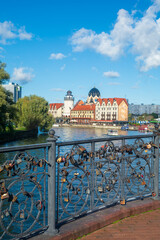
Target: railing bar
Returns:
[57, 210]
[44, 209]
[103, 139]
[23, 147]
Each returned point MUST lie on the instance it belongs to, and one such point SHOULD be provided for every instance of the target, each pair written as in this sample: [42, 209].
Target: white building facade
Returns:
[111, 109]
[68, 104]
[56, 109]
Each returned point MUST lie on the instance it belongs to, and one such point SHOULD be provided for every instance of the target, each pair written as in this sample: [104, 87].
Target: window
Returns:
[108, 116]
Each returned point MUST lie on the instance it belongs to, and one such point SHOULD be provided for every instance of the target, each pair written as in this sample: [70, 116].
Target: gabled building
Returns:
[56, 109]
[111, 109]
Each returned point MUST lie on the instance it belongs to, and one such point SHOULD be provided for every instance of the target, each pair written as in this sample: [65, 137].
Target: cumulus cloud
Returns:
[8, 31]
[111, 74]
[22, 75]
[57, 56]
[58, 89]
[139, 35]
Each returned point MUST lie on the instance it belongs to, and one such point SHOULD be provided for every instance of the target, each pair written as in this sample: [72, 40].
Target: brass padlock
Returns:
[40, 163]
[143, 183]
[21, 215]
[14, 199]
[1, 168]
[19, 160]
[4, 195]
[63, 180]
[76, 174]
[66, 199]
[123, 202]
[108, 187]
[100, 189]
[59, 160]
[9, 166]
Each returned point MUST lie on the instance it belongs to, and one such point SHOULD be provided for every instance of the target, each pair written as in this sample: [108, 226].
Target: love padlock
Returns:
[1, 168]
[21, 215]
[39, 205]
[100, 189]
[4, 195]
[19, 160]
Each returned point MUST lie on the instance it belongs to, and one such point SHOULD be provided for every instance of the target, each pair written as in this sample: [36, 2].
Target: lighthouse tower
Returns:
[68, 104]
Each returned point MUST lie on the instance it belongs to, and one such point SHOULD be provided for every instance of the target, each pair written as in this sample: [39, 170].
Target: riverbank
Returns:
[17, 135]
[131, 128]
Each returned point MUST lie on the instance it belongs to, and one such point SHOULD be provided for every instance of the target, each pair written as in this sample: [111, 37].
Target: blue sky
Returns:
[55, 45]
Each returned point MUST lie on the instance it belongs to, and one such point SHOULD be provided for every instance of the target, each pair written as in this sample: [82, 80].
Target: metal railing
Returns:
[42, 186]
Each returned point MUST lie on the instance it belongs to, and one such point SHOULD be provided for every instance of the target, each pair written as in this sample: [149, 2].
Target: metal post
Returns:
[92, 174]
[122, 173]
[156, 167]
[52, 184]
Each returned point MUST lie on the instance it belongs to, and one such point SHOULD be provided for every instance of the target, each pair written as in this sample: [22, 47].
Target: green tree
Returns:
[4, 76]
[33, 113]
[7, 110]
[7, 106]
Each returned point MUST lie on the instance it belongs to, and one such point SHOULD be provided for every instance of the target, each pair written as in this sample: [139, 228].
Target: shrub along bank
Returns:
[17, 135]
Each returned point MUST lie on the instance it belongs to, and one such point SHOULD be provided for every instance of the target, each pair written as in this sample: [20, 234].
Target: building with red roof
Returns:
[83, 113]
[111, 109]
[56, 109]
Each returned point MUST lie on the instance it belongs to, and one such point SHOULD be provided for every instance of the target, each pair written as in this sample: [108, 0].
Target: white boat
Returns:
[112, 132]
[55, 125]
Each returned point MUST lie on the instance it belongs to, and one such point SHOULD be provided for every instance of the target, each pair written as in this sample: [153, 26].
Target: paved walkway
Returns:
[143, 226]
[99, 225]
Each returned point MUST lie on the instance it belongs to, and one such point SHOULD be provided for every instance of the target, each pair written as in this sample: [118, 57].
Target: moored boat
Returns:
[112, 132]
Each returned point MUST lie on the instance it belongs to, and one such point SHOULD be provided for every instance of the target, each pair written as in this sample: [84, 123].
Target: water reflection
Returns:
[69, 134]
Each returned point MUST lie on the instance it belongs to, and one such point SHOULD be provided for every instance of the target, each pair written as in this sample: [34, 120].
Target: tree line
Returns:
[29, 112]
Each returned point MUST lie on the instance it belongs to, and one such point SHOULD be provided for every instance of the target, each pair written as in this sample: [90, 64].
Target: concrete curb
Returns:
[100, 219]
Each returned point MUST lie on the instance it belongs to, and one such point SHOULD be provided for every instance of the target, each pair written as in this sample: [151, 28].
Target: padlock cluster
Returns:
[16, 166]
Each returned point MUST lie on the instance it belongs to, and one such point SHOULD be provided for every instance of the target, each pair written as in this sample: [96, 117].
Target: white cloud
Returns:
[113, 83]
[63, 67]
[8, 31]
[58, 90]
[111, 74]
[57, 56]
[130, 33]
[22, 75]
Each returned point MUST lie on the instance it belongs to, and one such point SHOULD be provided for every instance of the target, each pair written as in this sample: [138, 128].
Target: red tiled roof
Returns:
[55, 105]
[80, 102]
[118, 100]
[84, 108]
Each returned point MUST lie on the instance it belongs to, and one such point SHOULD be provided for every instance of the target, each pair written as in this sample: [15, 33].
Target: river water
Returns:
[69, 134]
